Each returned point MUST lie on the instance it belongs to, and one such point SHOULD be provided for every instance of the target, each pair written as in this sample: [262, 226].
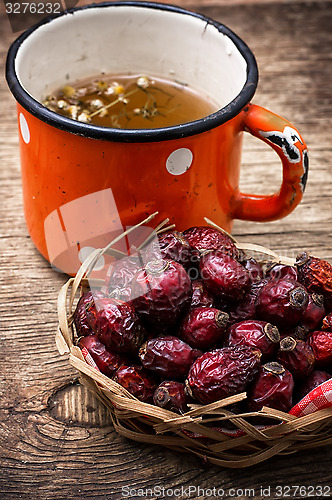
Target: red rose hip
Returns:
[138, 381]
[200, 296]
[246, 307]
[221, 373]
[118, 326]
[204, 238]
[168, 356]
[224, 276]
[321, 344]
[274, 270]
[315, 274]
[119, 276]
[314, 313]
[255, 333]
[171, 395]
[108, 362]
[85, 315]
[297, 356]
[254, 269]
[203, 327]
[272, 387]
[161, 294]
[282, 302]
[316, 378]
[174, 246]
[298, 332]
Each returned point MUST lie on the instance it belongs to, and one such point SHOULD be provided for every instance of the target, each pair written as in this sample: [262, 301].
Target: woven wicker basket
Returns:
[204, 430]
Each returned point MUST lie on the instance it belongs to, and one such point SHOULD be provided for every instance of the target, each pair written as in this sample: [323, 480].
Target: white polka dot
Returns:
[24, 129]
[85, 252]
[179, 161]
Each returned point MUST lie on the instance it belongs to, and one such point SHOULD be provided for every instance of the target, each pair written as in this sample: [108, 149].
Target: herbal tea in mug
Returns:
[130, 102]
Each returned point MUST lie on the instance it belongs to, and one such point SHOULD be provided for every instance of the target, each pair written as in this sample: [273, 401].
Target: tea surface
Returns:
[130, 102]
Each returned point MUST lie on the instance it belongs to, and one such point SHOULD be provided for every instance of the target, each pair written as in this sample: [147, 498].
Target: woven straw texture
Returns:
[212, 432]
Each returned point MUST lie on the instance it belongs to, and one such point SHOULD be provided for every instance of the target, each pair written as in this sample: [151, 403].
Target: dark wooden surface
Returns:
[56, 441]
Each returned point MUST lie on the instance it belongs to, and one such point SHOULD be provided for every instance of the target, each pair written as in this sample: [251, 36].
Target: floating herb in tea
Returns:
[130, 102]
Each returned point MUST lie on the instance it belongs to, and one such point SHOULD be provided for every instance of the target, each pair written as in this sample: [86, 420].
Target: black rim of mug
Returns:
[134, 135]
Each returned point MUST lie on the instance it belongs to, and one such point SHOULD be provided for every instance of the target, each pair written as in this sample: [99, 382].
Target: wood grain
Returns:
[56, 440]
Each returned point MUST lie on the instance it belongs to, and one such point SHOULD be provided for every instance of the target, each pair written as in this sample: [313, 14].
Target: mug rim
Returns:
[88, 130]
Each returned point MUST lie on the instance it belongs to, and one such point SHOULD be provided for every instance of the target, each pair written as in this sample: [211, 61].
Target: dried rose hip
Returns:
[138, 381]
[255, 333]
[282, 302]
[174, 246]
[321, 344]
[85, 315]
[254, 269]
[200, 296]
[118, 326]
[221, 373]
[315, 378]
[297, 356]
[204, 238]
[161, 294]
[314, 313]
[246, 307]
[327, 322]
[274, 270]
[272, 387]
[168, 356]
[203, 327]
[171, 395]
[119, 276]
[315, 274]
[108, 362]
[297, 332]
[224, 276]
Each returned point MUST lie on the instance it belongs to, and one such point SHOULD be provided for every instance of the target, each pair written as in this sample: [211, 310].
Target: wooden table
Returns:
[56, 441]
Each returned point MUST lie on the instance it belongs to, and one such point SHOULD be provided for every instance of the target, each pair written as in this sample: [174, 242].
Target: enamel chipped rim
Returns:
[126, 135]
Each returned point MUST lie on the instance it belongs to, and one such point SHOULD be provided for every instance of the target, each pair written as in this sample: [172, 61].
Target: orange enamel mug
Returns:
[83, 183]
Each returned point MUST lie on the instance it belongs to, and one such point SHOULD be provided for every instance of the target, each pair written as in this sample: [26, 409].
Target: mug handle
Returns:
[280, 135]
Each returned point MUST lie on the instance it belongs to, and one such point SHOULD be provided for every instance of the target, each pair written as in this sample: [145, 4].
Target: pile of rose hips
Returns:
[191, 318]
